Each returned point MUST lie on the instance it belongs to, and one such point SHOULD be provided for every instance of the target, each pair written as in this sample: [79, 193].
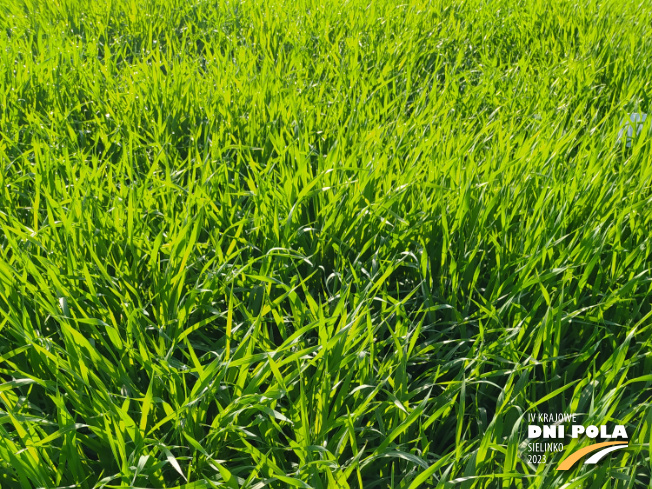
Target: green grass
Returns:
[281, 243]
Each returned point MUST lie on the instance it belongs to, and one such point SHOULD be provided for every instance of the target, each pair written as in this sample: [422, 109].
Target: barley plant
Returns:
[343, 244]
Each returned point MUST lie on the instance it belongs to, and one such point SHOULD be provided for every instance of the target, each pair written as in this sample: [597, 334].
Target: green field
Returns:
[280, 243]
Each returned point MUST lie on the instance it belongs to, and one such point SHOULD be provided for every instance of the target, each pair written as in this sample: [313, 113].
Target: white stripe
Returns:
[595, 458]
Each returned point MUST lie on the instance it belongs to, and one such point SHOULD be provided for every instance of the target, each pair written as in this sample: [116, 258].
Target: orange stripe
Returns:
[575, 456]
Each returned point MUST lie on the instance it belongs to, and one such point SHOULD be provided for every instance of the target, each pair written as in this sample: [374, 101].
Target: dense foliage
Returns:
[320, 244]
